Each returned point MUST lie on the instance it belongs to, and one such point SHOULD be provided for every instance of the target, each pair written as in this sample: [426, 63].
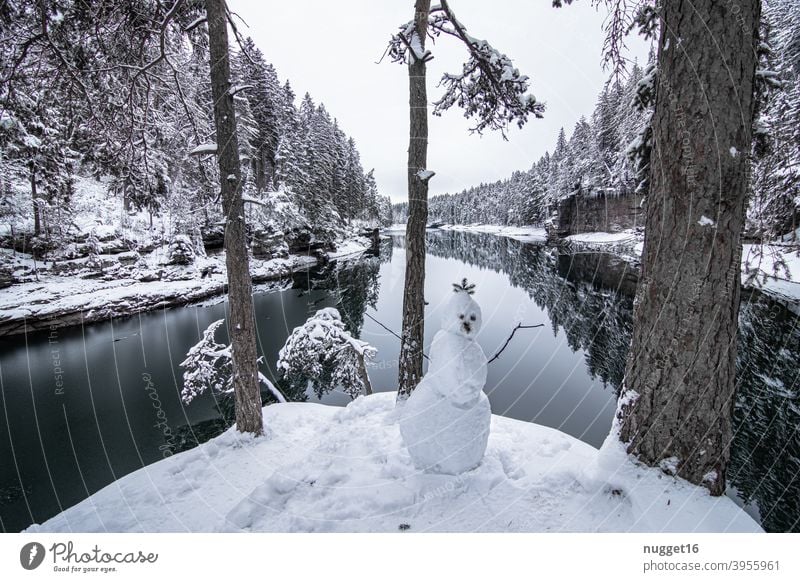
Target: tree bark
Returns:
[247, 395]
[413, 331]
[363, 374]
[679, 381]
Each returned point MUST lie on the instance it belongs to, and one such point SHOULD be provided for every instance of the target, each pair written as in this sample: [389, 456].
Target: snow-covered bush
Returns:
[209, 365]
[321, 353]
[181, 251]
[94, 249]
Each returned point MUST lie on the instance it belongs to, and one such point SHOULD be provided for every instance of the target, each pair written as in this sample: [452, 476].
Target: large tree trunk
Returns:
[413, 332]
[240, 293]
[679, 379]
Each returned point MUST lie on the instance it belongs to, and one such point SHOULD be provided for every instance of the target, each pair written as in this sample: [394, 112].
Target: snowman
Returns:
[445, 421]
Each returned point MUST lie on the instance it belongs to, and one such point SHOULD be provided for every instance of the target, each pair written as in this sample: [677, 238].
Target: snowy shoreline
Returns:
[61, 301]
[330, 469]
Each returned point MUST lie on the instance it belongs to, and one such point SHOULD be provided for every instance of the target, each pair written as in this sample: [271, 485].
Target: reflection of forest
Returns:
[590, 297]
[765, 465]
[349, 286]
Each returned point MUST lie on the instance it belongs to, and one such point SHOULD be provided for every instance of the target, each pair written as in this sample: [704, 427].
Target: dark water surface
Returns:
[82, 407]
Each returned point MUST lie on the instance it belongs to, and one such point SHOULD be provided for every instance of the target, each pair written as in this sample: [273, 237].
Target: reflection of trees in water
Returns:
[765, 464]
[590, 297]
[583, 294]
[351, 287]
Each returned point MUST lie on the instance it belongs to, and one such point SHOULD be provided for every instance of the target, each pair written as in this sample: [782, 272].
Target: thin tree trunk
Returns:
[37, 226]
[679, 378]
[362, 372]
[413, 331]
[247, 395]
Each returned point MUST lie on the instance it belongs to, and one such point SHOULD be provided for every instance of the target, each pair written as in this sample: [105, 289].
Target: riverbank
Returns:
[322, 468]
[71, 293]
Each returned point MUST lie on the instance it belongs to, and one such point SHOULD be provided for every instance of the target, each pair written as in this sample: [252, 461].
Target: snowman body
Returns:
[445, 421]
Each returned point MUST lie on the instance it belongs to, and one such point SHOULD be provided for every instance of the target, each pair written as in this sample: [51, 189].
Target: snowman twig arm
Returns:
[505, 345]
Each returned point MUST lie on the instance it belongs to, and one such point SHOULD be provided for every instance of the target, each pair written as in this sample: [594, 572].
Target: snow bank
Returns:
[63, 301]
[323, 468]
[73, 300]
[522, 233]
[603, 238]
[771, 280]
[348, 248]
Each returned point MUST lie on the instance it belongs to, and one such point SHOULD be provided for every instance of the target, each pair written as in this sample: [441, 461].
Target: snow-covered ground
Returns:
[134, 270]
[325, 468]
[778, 270]
[70, 299]
[349, 248]
[603, 238]
[523, 233]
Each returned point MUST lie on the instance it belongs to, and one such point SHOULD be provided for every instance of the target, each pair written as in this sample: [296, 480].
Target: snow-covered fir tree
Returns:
[322, 354]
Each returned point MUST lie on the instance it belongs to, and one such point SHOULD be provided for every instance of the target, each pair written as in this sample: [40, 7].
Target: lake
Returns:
[81, 407]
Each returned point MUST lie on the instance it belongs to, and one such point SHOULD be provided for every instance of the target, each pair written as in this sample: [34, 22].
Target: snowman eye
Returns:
[461, 316]
[472, 317]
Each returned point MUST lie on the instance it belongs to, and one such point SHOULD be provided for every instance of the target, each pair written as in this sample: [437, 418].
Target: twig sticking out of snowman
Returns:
[445, 421]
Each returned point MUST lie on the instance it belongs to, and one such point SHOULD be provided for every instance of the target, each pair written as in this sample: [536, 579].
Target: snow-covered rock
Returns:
[445, 421]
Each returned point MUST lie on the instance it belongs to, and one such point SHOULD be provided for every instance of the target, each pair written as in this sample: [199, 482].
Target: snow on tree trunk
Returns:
[680, 372]
[240, 297]
[413, 330]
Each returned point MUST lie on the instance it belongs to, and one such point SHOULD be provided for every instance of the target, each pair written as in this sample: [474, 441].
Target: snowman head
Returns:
[462, 314]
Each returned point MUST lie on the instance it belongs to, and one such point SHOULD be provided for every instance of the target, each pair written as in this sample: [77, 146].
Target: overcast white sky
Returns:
[330, 48]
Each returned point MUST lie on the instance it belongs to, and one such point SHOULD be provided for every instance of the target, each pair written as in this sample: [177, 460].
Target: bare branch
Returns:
[505, 345]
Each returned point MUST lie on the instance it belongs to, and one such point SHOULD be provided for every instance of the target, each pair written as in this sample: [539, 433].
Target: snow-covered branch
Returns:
[321, 353]
[204, 149]
[209, 364]
[489, 86]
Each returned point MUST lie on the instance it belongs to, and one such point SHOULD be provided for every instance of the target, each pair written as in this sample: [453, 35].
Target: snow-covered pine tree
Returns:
[323, 354]
[265, 100]
[209, 366]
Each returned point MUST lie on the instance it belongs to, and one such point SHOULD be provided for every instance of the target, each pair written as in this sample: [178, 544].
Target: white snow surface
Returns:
[445, 421]
[706, 221]
[522, 233]
[323, 468]
[777, 283]
[70, 299]
[349, 248]
[203, 149]
[603, 237]
[394, 229]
